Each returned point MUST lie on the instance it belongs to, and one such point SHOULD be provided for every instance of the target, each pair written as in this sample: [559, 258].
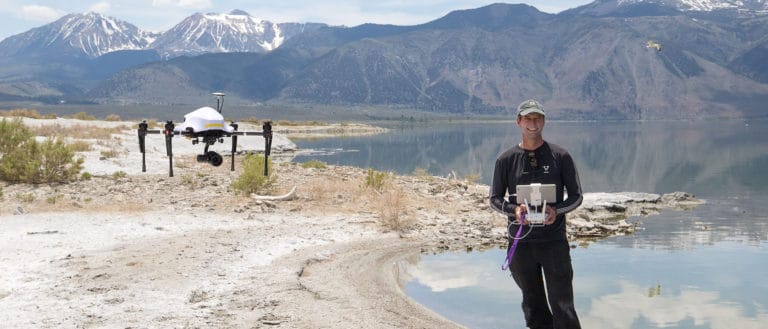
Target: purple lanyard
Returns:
[511, 251]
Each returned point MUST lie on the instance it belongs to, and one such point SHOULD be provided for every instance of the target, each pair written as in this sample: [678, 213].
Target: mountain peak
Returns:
[87, 34]
[705, 5]
[668, 7]
[492, 17]
[236, 31]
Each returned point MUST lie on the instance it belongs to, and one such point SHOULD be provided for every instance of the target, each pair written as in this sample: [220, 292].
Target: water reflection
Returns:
[676, 273]
[707, 159]
[704, 268]
[615, 288]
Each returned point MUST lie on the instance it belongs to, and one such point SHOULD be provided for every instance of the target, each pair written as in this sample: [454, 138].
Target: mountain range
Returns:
[613, 59]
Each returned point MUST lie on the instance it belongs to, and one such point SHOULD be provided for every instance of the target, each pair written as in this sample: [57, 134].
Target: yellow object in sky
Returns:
[653, 44]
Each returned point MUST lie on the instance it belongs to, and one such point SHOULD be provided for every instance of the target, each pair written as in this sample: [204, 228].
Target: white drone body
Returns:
[204, 125]
[204, 119]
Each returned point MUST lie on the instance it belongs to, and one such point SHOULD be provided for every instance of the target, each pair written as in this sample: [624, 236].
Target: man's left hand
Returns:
[551, 215]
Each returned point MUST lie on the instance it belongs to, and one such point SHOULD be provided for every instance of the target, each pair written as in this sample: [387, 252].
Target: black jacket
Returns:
[552, 165]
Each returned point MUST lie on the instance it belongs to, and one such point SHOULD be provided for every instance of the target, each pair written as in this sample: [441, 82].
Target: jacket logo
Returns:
[546, 169]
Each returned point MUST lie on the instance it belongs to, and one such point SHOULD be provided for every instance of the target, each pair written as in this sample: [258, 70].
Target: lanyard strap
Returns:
[511, 250]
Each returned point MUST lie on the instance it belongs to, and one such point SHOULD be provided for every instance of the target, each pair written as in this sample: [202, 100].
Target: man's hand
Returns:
[551, 215]
[520, 210]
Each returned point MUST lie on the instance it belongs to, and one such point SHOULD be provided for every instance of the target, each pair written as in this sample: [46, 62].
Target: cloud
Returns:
[100, 7]
[40, 13]
[338, 13]
[704, 308]
[451, 271]
[192, 4]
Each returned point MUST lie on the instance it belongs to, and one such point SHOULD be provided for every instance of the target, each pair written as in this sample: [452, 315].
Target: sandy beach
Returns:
[144, 250]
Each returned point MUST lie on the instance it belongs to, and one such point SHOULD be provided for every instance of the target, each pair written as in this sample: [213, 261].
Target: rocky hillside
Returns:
[484, 61]
[609, 59]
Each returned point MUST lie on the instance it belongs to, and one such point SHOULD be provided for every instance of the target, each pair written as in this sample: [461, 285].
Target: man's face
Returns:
[531, 124]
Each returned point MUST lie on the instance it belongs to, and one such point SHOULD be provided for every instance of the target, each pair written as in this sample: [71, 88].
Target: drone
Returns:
[653, 44]
[204, 125]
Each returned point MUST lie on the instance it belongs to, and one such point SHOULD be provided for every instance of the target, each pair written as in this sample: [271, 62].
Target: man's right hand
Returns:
[520, 211]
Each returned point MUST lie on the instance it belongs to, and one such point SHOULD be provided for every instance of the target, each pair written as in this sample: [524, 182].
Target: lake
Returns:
[704, 268]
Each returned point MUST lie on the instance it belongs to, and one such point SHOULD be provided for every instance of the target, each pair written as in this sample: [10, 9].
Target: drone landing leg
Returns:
[143, 162]
[168, 146]
[142, 136]
[234, 149]
[267, 133]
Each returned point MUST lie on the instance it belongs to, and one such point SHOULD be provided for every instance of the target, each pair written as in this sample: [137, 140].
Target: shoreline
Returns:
[140, 256]
[148, 250]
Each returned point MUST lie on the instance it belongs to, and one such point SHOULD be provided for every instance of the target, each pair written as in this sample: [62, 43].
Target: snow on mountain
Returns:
[82, 35]
[216, 33]
[707, 5]
[91, 35]
[710, 5]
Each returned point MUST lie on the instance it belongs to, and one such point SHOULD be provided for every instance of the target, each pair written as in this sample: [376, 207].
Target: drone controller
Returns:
[535, 198]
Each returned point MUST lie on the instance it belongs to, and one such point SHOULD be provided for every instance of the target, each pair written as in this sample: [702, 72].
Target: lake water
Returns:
[705, 268]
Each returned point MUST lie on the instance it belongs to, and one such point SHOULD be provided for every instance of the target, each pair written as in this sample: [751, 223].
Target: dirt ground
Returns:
[127, 249]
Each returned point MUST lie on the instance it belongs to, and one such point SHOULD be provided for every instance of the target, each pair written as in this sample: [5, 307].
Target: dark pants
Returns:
[554, 259]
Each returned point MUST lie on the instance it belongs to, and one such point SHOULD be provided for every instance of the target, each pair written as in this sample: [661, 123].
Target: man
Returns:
[543, 251]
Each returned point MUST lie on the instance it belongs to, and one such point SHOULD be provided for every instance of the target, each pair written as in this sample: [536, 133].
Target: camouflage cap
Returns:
[530, 106]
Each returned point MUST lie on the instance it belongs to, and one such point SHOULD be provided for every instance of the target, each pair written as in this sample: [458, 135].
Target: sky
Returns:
[18, 16]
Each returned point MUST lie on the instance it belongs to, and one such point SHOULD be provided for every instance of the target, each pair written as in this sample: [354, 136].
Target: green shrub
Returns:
[25, 160]
[12, 134]
[314, 164]
[190, 180]
[26, 197]
[83, 116]
[252, 180]
[375, 179]
[27, 113]
[107, 154]
[53, 199]
[112, 117]
[119, 174]
[80, 146]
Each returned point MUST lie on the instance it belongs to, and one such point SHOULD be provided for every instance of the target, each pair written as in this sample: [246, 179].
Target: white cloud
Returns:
[192, 4]
[101, 7]
[40, 13]
[340, 13]
[704, 308]
[450, 271]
